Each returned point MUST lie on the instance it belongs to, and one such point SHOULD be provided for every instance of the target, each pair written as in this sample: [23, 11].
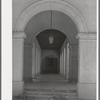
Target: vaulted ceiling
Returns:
[43, 39]
[42, 22]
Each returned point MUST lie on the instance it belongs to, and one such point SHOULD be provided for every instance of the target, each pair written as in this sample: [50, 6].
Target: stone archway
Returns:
[87, 42]
[44, 5]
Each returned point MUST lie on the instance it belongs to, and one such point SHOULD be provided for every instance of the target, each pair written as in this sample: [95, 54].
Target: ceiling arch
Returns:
[43, 39]
[43, 5]
[42, 21]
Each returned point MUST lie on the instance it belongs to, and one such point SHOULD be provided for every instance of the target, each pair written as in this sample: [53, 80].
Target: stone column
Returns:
[36, 70]
[27, 62]
[70, 63]
[18, 51]
[63, 64]
[64, 61]
[73, 62]
[67, 62]
[87, 66]
[33, 62]
[60, 64]
[38, 62]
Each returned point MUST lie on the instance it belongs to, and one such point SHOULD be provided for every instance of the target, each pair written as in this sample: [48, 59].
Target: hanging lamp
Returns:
[51, 38]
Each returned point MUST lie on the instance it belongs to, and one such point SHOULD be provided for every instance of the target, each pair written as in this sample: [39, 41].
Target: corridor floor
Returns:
[50, 81]
[50, 87]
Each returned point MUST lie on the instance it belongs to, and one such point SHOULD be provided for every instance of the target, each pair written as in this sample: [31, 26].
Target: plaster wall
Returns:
[17, 59]
[18, 40]
[27, 62]
[87, 66]
[87, 8]
[87, 61]
[73, 63]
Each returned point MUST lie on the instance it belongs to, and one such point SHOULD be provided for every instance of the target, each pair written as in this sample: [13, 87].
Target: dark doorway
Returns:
[51, 65]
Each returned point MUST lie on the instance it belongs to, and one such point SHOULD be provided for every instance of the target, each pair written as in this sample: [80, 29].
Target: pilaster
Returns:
[73, 62]
[67, 62]
[18, 52]
[87, 66]
[33, 62]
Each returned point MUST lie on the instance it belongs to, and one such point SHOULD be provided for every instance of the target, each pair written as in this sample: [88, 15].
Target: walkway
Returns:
[50, 86]
[50, 81]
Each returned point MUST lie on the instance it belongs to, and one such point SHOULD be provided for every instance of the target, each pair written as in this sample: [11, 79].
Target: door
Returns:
[51, 65]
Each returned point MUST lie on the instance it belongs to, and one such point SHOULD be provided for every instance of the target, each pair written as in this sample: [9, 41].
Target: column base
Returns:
[18, 88]
[87, 91]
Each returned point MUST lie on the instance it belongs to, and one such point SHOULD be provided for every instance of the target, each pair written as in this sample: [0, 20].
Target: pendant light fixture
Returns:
[51, 38]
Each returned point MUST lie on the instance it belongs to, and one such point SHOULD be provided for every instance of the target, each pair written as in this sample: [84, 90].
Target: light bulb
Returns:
[51, 39]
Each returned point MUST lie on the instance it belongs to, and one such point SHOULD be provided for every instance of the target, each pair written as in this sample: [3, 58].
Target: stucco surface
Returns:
[27, 62]
[87, 67]
[87, 8]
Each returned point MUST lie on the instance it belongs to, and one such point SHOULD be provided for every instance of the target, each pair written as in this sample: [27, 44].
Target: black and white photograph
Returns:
[54, 50]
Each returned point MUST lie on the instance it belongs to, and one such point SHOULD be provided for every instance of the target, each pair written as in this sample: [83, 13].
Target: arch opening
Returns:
[67, 20]
[45, 5]
[50, 52]
[66, 35]
[42, 21]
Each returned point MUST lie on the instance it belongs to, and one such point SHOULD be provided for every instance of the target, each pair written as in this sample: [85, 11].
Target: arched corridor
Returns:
[48, 67]
[64, 48]
[51, 52]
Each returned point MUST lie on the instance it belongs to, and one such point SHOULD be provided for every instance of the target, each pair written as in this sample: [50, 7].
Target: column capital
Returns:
[86, 36]
[19, 35]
